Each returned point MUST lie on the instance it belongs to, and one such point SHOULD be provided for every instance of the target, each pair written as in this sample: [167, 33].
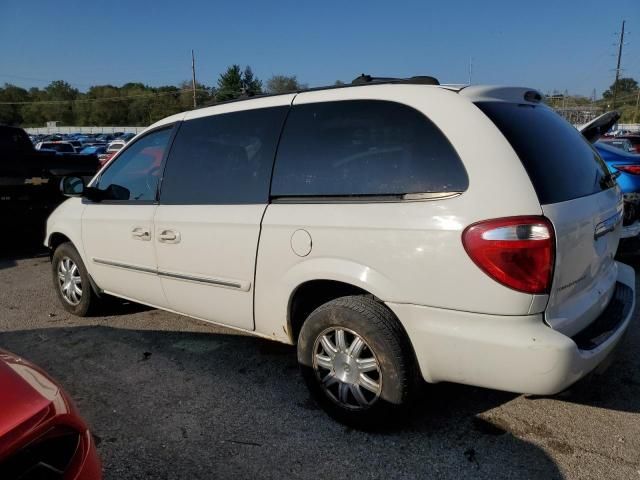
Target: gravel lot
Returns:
[169, 397]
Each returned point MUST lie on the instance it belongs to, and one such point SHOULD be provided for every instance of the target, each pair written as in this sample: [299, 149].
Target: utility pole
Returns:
[615, 84]
[193, 77]
[470, 68]
[637, 104]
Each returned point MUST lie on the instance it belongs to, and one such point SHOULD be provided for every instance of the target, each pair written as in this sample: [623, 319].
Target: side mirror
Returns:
[72, 186]
[76, 187]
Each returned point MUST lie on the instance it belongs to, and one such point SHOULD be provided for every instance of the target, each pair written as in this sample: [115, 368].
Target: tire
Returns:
[367, 386]
[72, 282]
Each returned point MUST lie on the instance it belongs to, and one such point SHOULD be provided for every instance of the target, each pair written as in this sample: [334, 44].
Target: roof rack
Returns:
[417, 80]
[358, 81]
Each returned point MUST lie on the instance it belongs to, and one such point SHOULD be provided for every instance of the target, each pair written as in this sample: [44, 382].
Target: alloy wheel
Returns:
[347, 368]
[69, 281]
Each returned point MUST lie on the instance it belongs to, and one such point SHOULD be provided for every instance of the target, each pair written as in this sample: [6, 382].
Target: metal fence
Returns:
[50, 130]
[632, 127]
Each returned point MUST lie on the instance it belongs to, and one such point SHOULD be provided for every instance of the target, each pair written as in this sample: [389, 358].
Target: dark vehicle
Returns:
[126, 136]
[55, 137]
[105, 137]
[29, 179]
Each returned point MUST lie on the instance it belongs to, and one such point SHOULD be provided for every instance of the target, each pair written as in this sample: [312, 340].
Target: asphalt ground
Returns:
[168, 397]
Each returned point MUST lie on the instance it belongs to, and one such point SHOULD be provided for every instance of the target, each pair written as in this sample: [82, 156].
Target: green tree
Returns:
[32, 114]
[626, 87]
[11, 114]
[165, 102]
[203, 95]
[105, 106]
[250, 83]
[229, 84]
[60, 107]
[284, 84]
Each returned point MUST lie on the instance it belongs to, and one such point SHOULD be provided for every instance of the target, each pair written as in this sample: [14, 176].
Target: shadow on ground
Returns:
[19, 247]
[187, 405]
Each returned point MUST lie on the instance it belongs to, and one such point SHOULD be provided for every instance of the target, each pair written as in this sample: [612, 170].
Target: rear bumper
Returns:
[512, 353]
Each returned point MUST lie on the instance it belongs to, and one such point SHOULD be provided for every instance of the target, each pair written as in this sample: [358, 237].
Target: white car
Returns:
[58, 146]
[394, 230]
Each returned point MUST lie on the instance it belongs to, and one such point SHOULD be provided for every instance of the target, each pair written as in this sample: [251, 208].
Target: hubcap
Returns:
[347, 368]
[69, 281]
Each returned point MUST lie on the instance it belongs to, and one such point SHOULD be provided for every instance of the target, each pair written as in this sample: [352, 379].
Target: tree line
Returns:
[133, 104]
[137, 104]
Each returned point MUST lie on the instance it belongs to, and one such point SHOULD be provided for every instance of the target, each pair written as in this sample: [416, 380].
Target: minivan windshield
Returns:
[560, 162]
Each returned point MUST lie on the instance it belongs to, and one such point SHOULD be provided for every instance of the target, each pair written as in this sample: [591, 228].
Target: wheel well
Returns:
[311, 295]
[57, 239]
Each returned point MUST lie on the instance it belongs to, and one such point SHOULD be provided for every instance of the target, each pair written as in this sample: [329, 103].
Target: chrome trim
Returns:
[430, 196]
[209, 281]
[109, 263]
[177, 276]
[383, 198]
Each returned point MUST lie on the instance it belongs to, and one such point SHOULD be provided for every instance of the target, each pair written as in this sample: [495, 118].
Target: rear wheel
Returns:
[357, 362]
[71, 281]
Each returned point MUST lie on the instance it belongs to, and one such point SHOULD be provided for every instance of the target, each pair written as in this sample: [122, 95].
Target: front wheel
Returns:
[71, 281]
[357, 362]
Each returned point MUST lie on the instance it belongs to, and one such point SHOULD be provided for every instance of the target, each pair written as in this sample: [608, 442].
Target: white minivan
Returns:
[394, 230]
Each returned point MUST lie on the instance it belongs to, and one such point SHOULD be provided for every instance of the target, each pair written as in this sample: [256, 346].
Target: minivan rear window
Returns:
[364, 147]
[560, 162]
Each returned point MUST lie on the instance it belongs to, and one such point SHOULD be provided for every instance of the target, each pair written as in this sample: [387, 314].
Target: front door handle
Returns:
[169, 236]
[140, 233]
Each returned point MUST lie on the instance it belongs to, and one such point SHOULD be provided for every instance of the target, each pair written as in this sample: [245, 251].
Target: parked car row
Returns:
[82, 138]
[102, 145]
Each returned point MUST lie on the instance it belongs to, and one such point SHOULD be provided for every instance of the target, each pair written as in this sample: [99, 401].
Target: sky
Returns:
[550, 45]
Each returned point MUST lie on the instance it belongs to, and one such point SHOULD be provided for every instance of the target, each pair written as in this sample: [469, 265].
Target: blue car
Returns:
[93, 150]
[624, 166]
[627, 167]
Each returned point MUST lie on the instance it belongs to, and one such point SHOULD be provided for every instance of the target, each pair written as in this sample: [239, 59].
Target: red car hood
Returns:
[28, 397]
[19, 401]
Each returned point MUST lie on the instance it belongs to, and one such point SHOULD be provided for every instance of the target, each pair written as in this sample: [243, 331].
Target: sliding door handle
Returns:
[169, 236]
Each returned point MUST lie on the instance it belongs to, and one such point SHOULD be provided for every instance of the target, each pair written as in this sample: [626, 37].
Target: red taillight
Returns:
[632, 169]
[515, 251]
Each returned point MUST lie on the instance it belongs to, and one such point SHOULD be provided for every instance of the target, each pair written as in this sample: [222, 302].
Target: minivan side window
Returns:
[364, 147]
[134, 175]
[223, 159]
